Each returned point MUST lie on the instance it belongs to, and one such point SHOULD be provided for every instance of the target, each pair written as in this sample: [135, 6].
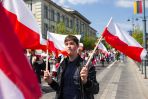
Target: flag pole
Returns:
[47, 55]
[93, 52]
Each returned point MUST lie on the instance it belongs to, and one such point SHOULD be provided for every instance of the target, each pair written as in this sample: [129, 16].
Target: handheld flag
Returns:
[102, 48]
[123, 42]
[24, 23]
[17, 79]
[56, 42]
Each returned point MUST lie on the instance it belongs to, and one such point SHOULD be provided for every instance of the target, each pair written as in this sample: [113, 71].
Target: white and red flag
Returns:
[17, 79]
[24, 23]
[102, 48]
[123, 42]
[56, 42]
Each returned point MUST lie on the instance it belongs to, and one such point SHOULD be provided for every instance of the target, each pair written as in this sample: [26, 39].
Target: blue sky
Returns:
[100, 11]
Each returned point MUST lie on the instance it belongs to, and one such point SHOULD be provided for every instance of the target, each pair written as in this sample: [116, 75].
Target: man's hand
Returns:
[47, 77]
[84, 74]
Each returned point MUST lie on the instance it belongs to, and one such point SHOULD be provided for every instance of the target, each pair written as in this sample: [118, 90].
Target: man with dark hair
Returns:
[75, 81]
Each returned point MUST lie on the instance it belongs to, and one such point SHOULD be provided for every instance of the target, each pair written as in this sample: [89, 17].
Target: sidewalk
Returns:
[122, 80]
[141, 77]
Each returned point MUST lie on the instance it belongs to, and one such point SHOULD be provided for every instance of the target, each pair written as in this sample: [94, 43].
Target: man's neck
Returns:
[72, 58]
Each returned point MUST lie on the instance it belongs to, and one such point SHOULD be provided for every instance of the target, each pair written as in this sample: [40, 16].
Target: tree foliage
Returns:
[89, 42]
[60, 28]
[138, 35]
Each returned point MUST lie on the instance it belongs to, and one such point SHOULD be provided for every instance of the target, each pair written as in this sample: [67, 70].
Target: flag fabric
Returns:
[123, 42]
[24, 23]
[56, 42]
[138, 7]
[102, 48]
[17, 79]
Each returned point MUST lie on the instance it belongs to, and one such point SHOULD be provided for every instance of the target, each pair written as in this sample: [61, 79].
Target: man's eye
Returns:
[66, 44]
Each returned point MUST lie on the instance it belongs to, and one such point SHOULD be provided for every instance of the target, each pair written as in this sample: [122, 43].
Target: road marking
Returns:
[111, 64]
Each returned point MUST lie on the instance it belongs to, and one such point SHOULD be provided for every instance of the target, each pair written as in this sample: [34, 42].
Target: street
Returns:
[117, 81]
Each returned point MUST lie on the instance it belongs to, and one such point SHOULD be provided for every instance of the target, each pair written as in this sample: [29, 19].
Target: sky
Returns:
[99, 12]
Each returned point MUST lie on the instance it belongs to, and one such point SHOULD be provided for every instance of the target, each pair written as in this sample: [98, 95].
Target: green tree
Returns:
[60, 28]
[74, 30]
[106, 44]
[89, 42]
[138, 35]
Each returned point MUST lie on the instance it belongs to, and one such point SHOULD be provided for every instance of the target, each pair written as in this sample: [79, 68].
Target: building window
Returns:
[58, 17]
[77, 25]
[45, 11]
[67, 22]
[45, 30]
[52, 28]
[49, 14]
[71, 23]
[82, 27]
[52, 15]
[63, 18]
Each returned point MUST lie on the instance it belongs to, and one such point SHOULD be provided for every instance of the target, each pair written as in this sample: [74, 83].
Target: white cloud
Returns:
[124, 3]
[82, 1]
[125, 26]
[60, 2]
[75, 2]
[127, 3]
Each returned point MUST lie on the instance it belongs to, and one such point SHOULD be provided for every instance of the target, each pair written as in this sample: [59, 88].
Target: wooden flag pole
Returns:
[87, 64]
[47, 56]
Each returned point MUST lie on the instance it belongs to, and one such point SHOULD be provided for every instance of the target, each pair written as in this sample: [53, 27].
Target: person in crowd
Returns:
[76, 81]
[38, 65]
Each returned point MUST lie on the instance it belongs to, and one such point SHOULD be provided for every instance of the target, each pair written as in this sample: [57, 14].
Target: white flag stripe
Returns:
[58, 39]
[22, 13]
[114, 29]
[8, 89]
[102, 47]
[143, 54]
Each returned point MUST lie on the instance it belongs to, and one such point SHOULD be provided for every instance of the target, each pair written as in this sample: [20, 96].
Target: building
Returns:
[48, 14]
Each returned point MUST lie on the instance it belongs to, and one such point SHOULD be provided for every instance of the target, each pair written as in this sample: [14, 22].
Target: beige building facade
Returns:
[48, 14]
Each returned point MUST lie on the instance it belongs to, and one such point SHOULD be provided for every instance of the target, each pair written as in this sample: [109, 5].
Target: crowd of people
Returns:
[69, 76]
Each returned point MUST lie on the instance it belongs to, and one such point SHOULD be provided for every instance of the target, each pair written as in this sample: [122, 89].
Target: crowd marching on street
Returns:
[33, 54]
[37, 59]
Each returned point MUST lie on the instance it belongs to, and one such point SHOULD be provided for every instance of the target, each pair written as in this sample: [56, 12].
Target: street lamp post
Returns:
[31, 5]
[144, 36]
[133, 23]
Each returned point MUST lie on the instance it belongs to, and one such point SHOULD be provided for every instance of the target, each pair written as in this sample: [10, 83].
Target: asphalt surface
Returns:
[118, 80]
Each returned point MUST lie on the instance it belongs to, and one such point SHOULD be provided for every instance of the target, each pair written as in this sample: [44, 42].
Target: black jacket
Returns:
[87, 90]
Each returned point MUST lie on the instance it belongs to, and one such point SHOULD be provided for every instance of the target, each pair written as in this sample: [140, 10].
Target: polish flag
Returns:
[123, 42]
[24, 23]
[56, 42]
[102, 48]
[17, 79]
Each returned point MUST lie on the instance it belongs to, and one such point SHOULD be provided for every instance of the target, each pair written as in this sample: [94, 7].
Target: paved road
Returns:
[48, 93]
[117, 81]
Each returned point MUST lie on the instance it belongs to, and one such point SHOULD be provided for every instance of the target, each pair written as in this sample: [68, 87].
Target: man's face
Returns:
[71, 47]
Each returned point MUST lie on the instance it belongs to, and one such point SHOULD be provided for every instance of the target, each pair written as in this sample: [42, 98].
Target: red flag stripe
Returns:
[131, 51]
[23, 33]
[13, 63]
